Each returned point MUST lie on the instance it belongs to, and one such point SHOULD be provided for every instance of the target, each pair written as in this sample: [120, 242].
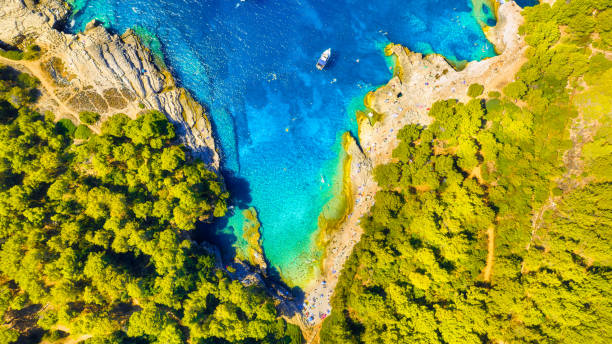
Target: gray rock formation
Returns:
[102, 72]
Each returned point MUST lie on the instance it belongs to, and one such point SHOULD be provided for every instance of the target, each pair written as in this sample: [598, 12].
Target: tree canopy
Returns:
[95, 234]
[495, 170]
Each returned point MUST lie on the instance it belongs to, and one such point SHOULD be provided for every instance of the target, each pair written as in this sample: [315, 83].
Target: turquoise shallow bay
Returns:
[278, 120]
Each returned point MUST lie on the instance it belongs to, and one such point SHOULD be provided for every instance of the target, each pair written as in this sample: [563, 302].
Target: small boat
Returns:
[323, 59]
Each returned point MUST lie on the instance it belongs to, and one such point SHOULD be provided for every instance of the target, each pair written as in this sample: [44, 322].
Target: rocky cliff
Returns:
[100, 71]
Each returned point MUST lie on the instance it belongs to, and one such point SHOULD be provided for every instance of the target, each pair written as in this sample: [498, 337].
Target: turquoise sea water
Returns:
[278, 120]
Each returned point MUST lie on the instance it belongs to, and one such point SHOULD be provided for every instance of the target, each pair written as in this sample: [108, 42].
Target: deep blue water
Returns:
[527, 3]
[278, 119]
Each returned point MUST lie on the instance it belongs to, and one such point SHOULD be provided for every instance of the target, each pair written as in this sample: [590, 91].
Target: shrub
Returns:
[387, 175]
[82, 132]
[7, 111]
[32, 52]
[295, 334]
[475, 90]
[12, 54]
[115, 125]
[494, 94]
[54, 335]
[27, 81]
[493, 105]
[89, 117]
[66, 127]
[515, 90]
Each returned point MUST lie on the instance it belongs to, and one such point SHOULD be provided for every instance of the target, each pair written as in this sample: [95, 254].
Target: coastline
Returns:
[96, 61]
[419, 81]
[103, 72]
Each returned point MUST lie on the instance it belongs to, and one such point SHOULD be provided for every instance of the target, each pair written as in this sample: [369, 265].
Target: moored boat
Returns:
[323, 59]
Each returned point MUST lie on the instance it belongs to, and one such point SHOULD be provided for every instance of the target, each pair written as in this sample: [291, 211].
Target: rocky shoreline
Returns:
[99, 71]
[108, 73]
[405, 99]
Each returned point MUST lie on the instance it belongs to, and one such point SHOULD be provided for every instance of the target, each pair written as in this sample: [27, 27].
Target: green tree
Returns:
[99, 231]
[89, 117]
[82, 132]
[475, 90]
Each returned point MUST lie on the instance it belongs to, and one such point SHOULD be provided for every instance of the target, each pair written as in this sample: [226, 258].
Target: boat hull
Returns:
[322, 62]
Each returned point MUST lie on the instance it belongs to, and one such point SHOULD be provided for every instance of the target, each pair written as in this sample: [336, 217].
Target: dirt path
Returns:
[581, 132]
[71, 339]
[48, 99]
[77, 339]
[536, 220]
[490, 254]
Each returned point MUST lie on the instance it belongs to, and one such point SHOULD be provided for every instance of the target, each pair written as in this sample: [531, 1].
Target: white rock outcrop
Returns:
[102, 72]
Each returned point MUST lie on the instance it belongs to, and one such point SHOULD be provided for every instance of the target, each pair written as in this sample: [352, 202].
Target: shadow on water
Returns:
[218, 232]
[213, 233]
[291, 298]
[332, 60]
[222, 235]
[527, 3]
[239, 188]
[294, 297]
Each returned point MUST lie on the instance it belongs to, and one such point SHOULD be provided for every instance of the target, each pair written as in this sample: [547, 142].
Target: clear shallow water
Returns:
[279, 120]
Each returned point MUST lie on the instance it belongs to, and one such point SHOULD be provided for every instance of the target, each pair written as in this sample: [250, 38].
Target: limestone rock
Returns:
[21, 20]
[361, 166]
[421, 80]
[102, 72]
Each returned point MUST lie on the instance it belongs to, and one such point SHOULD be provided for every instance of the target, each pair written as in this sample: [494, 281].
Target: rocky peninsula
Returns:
[99, 71]
[106, 73]
[419, 81]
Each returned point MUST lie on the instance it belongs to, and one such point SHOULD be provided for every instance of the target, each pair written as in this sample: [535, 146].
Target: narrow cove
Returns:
[278, 120]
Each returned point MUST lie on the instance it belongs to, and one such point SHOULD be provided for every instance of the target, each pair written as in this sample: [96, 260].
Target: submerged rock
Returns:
[252, 235]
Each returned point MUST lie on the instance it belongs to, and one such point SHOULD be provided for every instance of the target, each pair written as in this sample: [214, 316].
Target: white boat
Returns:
[323, 59]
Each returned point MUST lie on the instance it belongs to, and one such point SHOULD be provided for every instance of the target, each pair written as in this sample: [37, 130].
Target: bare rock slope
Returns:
[101, 72]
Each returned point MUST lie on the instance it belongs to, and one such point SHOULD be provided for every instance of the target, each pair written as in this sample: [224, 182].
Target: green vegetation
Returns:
[82, 132]
[494, 94]
[16, 90]
[424, 271]
[66, 127]
[89, 117]
[475, 90]
[31, 52]
[95, 235]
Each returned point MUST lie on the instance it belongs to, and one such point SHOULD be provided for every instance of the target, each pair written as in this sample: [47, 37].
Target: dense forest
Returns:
[494, 223]
[95, 234]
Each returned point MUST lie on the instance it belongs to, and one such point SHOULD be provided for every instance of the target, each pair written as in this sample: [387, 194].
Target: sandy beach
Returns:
[406, 99]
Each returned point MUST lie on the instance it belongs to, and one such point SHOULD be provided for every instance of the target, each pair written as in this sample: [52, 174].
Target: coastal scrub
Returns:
[475, 90]
[492, 223]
